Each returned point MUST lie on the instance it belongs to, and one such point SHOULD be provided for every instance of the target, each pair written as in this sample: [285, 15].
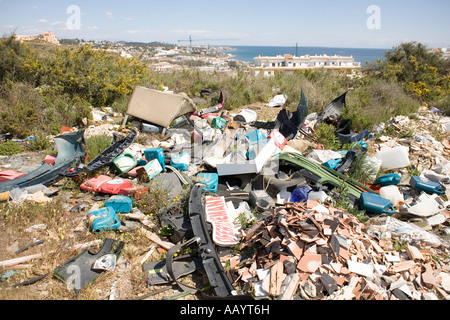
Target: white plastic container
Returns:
[318, 195]
[246, 115]
[392, 193]
[394, 158]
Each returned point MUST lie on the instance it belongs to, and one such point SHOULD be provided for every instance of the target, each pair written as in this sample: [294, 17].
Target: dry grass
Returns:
[63, 231]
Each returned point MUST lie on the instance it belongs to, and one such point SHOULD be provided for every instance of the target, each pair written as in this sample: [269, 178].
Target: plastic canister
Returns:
[428, 186]
[261, 200]
[211, 179]
[388, 179]
[155, 153]
[394, 158]
[120, 203]
[218, 123]
[124, 163]
[254, 149]
[374, 203]
[103, 219]
[300, 194]
[256, 136]
[392, 193]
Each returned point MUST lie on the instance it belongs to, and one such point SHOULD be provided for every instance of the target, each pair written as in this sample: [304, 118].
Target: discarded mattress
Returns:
[147, 104]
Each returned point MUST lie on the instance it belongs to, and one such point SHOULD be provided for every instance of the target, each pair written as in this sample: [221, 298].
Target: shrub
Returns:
[20, 109]
[9, 148]
[421, 72]
[94, 75]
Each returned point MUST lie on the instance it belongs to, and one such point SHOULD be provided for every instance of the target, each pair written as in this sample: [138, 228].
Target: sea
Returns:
[363, 55]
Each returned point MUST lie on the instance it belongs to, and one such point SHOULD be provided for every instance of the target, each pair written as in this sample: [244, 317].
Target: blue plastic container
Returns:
[181, 161]
[300, 194]
[211, 180]
[103, 219]
[254, 149]
[373, 202]
[332, 163]
[388, 179]
[428, 186]
[155, 153]
[120, 203]
[256, 136]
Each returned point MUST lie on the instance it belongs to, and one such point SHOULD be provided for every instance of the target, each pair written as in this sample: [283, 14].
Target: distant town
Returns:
[166, 57]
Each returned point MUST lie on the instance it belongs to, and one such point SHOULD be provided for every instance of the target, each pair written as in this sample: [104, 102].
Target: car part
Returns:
[106, 156]
[78, 272]
[70, 150]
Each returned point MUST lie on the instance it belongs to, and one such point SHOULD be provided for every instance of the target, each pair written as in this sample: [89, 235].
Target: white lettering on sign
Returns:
[223, 228]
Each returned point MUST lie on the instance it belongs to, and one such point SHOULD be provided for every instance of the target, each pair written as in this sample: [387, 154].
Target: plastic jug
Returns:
[119, 203]
[374, 203]
[156, 153]
[300, 194]
[388, 179]
[394, 158]
[332, 163]
[103, 219]
[392, 193]
[428, 186]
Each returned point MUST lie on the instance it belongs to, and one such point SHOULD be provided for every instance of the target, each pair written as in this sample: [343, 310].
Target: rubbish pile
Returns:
[271, 214]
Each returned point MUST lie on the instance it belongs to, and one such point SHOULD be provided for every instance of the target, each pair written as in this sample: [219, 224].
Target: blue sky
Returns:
[328, 23]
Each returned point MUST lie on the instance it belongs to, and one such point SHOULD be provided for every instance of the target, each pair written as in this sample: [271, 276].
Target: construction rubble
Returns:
[270, 213]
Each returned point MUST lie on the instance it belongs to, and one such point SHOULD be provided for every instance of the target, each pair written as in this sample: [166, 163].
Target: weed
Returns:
[325, 135]
[96, 144]
[9, 148]
[40, 142]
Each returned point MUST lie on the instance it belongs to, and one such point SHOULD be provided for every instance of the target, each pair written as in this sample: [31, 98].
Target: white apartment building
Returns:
[288, 64]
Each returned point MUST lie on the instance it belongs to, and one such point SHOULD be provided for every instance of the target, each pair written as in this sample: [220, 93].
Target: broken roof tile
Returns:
[310, 263]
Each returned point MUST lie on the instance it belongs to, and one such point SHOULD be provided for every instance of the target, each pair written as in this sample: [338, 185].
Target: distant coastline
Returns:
[247, 53]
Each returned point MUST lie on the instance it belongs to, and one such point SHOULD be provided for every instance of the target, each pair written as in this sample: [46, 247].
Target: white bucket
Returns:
[394, 158]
